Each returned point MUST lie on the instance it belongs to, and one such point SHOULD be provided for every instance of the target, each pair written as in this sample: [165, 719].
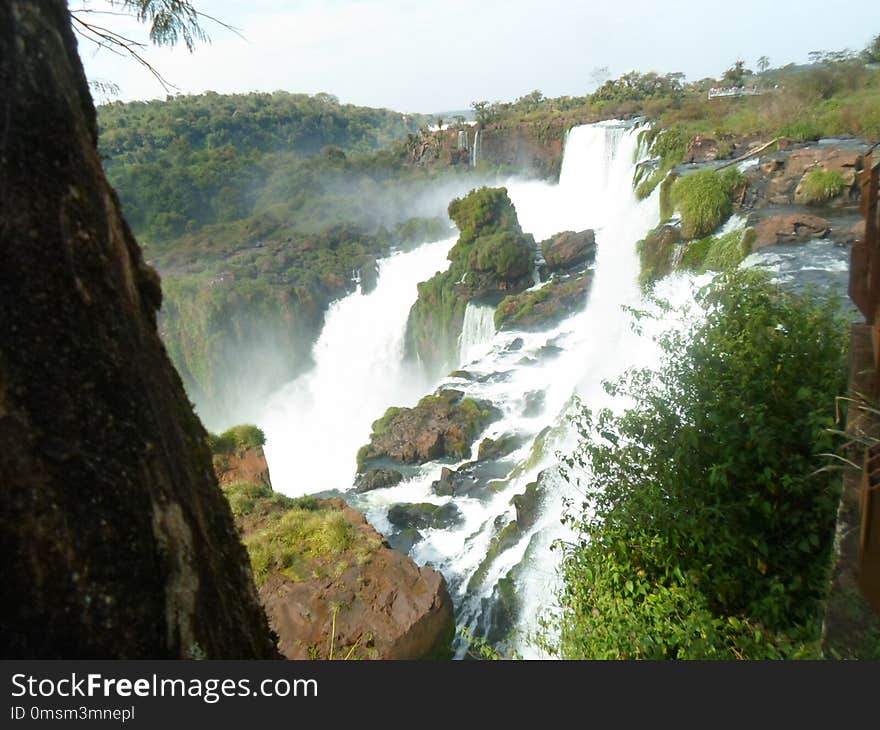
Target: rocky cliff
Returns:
[115, 540]
[330, 584]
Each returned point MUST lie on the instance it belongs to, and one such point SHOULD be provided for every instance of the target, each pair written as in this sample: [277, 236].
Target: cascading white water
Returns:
[595, 344]
[477, 331]
[475, 149]
[315, 425]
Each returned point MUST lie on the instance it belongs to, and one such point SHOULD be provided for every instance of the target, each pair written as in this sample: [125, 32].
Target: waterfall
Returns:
[477, 330]
[475, 150]
[315, 424]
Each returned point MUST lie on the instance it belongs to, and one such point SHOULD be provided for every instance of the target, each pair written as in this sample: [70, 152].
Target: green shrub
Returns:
[704, 200]
[718, 253]
[242, 437]
[820, 186]
[707, 526]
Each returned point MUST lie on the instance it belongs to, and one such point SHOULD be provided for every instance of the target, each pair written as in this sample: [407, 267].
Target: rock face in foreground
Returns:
[115, 540]
[331, 586]
[445, 424]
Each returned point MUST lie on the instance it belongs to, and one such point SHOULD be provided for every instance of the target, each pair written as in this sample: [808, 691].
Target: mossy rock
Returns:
[444, 424]
[424, 516]
[492, 255]
[543, 308]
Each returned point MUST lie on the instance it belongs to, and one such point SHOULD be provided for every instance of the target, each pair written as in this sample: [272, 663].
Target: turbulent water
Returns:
[316, 424]
[477, 331]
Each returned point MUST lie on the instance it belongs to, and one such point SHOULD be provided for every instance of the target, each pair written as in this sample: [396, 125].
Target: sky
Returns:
[443, 55]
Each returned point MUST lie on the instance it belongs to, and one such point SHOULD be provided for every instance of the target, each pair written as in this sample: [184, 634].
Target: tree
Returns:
[736, 74]
[763, 64]
[115, 540]
[708, 524]
[482, 112]
[170, 22]
[599, 76]
[872, 52]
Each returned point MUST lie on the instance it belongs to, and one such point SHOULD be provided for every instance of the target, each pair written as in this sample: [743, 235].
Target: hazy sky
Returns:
[437, 56]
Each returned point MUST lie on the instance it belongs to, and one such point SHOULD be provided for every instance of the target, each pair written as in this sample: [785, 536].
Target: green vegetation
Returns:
[708, 524]
[657, 253]
[718, 253]
[544, 307]
[704, 200]
[820, 186]
[238, 438]
[191, 161]
[397, 433]
[491, 254]
[301, 538]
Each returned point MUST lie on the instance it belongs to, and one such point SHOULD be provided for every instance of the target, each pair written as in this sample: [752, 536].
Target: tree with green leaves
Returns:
[763, 63]
[708, 522]
[169, 23]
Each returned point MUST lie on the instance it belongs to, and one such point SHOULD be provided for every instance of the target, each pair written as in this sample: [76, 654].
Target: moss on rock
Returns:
[492, 254]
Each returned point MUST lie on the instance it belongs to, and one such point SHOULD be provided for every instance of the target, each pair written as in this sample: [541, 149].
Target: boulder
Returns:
[424, 516]
[701, 149]
[405, 540]
[498, 448]
[246, 465]
[796, 228]
[376, 479]
[470, 479]
[441, 425]
[540, 309]
[778, 178]
[568, 250]
[378, 606]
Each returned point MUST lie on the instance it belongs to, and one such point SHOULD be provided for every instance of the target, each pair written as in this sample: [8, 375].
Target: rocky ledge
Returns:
[543, 308]
[330, 585]
[441, 425]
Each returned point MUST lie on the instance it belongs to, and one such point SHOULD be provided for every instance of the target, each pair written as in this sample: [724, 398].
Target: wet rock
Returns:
[550, 351]
[405, 540]
[568, 251]
[469, 480]
[796, 228]
[516, 345]
[385, 607]
[500, 447]
[441, 425]
[528, 504]
[377, 479]
[424, 516]
[544, 308]
[534, 403]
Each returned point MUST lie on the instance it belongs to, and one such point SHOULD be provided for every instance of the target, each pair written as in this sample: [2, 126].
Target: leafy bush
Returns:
[237, 438]
[704, 200]
[718, 253]
[820, 186]
[707, 528]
